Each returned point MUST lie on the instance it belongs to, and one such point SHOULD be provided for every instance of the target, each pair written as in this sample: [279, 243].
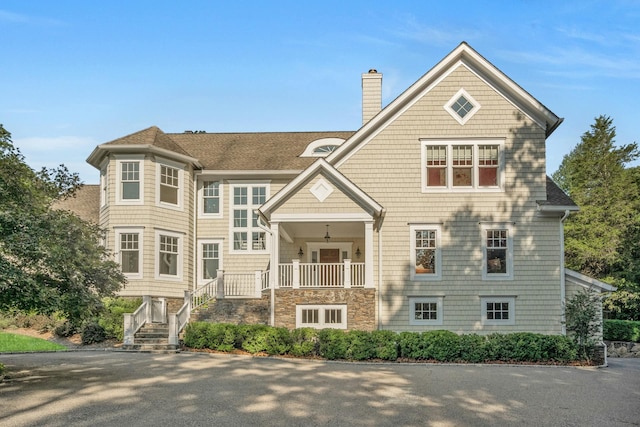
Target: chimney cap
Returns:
[373, 71]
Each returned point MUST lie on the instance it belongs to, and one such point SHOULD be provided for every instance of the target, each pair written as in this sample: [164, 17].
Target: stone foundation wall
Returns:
[361, 305]
[623, 349]
[236, 311]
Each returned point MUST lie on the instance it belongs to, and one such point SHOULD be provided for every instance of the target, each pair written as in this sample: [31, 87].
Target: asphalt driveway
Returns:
[103, 388]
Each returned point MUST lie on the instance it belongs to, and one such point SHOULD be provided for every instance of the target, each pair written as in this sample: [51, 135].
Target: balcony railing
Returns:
[322, 275]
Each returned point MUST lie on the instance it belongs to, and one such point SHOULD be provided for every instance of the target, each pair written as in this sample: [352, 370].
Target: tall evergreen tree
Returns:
[594, 176]
[50, 260]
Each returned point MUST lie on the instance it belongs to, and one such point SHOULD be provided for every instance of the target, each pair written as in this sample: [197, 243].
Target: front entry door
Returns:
[329, 273]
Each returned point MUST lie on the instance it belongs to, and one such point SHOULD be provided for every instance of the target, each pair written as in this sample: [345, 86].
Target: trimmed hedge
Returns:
[621, 330]
[332, 344]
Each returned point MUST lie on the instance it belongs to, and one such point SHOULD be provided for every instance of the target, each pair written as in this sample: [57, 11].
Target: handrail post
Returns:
[296, 274]
[347, 273]
[128, 329]
[258, 283]
[220, 285]
[148, 312]
[173, 329]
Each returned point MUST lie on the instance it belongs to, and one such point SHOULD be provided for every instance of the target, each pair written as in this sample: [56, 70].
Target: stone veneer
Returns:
[236, 311]
[361, 310]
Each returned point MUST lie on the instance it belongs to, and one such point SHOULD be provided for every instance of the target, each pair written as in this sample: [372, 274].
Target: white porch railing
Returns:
[322, 275]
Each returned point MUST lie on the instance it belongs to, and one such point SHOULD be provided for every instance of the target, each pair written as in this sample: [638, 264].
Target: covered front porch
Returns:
[312, 252]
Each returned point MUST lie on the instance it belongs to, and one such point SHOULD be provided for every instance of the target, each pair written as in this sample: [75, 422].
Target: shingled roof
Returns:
[557, 197]
[85, 203]
[229, 151]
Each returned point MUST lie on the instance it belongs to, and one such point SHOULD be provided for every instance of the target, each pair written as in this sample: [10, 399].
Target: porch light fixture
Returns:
[326, 236]
[358, 253]
[300, 253]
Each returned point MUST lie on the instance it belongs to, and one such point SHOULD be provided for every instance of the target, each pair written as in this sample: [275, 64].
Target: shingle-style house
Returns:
[436, 214]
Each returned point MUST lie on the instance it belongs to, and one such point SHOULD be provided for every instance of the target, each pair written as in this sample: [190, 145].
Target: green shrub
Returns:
[279, 341]
[252, 338]
[473, 348]
[410, 345]
[111, 317]
[621, 330]
[558, 348]
[332, 344]
[195, 334]
[443, 346]
[360, 345]
[92, 333]
[65, 329]
[385, 344]
[304, 342]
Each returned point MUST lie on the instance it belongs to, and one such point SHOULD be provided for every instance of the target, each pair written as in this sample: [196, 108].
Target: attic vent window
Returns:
[324, 149]
[462, 106]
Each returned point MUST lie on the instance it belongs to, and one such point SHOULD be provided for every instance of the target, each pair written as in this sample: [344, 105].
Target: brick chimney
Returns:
[371, 95]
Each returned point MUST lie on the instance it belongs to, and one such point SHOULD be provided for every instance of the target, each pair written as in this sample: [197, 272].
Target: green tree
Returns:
[603, 239]
[594, 176]
[50, 260]
[583, 320]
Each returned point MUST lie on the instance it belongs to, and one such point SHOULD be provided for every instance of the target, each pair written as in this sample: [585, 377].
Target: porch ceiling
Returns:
[316, 230]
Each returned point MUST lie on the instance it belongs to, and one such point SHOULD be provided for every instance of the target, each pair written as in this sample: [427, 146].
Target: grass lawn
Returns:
[17, 343]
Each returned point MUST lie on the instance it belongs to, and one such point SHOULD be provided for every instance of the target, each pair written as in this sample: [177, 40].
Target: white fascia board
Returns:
[103, 149]
[473, 61]
[332, 174]
[557, 208]
[238, 174]
[587, 282]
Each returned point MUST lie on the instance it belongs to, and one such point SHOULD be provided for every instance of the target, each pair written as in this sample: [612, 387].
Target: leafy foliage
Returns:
[92, 333]
[583, 319]
[50, 260]
[621, 330]
[603, 239]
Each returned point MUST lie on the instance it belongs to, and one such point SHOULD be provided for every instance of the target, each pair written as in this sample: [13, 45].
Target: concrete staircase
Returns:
[152, 338]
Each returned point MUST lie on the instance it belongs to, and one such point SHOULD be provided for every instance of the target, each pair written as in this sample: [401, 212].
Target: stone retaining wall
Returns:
[622, 349]
[236, 311]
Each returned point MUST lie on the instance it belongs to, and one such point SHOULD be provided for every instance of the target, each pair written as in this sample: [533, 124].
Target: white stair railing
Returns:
[134, 321]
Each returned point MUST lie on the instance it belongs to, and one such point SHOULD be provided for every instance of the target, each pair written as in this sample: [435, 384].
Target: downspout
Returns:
[195, 232]
[379, 279]
[563, 291]
[272, 290]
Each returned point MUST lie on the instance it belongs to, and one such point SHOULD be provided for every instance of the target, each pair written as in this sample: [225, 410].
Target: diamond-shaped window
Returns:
[462, 106]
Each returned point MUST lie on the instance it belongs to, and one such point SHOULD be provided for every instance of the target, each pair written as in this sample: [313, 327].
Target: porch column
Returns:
[368, 254]
[274, 277]
[296, 274]
[347, 273]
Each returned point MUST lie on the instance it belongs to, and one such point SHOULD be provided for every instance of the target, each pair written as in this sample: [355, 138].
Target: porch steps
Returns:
[152, 338]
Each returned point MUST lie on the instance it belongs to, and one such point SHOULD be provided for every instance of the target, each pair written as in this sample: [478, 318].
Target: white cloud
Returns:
[18, 18]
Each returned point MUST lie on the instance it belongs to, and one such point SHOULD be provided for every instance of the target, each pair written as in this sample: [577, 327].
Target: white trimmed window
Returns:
[498, 310]
[462, 106]
[321, 316]
[130, 180]
[169, 184]
[426, 256]
[462, 166]
[211, 205]
[497, 251]
[169, 255]
[210, 260]
[246, 235]
[425, 310]
[129, 251]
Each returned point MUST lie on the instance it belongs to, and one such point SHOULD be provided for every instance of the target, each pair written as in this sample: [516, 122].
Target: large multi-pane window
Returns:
[461, 166]
[169, 184]
[425, 251]
[129, 251]
[211, 197]
[497, 249]
[130, 180]
[168, 255]
[246, 232]
[210, 260]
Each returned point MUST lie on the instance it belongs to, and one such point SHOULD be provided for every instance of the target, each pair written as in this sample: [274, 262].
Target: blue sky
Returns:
[75, 74]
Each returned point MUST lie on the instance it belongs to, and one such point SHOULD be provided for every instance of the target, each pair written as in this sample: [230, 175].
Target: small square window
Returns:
[321, 316]
[425, 311]
[462, 106]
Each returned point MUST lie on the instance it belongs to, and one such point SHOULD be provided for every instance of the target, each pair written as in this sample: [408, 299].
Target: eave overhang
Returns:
[587, 282]
[101, 151]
